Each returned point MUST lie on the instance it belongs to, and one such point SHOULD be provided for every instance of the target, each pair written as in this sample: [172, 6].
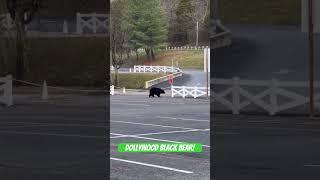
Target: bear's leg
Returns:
[158, 94]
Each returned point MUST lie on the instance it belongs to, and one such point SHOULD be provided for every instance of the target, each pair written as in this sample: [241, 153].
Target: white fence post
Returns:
[235, 96]
[273, 97]
[79, 26]
[65, 27]
[95, 22]
[183, 91]
[112, 90]
[8, 90]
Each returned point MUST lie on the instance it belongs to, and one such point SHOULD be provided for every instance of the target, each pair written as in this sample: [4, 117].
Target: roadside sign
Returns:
[170, 80]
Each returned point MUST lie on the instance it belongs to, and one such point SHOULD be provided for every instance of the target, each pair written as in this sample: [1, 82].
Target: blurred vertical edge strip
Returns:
[212, 2]
[108, 94]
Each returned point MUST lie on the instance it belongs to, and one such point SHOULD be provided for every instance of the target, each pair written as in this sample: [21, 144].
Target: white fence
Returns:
[185, 91]
[161, 79]
[183, 48]
[6, 90]
[267, 99]
[158, 69]
[112, 90]
[92, 22]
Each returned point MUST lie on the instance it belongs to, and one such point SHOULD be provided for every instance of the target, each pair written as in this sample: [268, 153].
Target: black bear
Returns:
[156, 91]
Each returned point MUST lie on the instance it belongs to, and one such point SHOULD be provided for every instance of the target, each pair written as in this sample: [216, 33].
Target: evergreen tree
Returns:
[149, 26]
[185, 13]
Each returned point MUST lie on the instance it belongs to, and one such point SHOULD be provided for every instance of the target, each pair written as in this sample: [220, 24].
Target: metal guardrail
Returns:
[162, 79]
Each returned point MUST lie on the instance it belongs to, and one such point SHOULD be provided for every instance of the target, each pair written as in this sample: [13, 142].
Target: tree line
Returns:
[152, 24]
[135, 25]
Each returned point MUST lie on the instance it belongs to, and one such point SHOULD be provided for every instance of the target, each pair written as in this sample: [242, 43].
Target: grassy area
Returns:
[64, 61]
[286, 12]
[182, 59]
[136, 80]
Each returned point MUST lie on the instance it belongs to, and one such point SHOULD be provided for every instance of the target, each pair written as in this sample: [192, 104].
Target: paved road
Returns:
[63, 138]
[190, 77]
[197, 77]
[265, 52]
[264, 148]
[179, 120]
[261, 52]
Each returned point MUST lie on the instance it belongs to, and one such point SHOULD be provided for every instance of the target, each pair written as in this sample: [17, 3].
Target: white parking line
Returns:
[182, 119]
[53, 124]
[25, 126]
[131, 104]
[51, 134]
[311, 165]
[157, 133]
[114, 137]
[153, 102]
[155, 125]
[152, 165]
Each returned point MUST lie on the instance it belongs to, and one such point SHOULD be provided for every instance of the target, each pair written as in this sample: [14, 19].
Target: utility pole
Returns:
[206, 52]
[172, 66]
[197, 41]
[311, 59]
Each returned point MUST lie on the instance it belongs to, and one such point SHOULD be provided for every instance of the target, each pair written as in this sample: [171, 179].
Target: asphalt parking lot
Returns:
[141, 119]
[62, 138]
[265, 147]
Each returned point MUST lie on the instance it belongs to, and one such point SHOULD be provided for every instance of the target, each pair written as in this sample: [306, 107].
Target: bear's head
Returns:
[162, 91]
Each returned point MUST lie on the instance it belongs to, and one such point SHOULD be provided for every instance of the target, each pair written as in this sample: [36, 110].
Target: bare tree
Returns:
[201, 12]
[119, 37]
[3, 43]
[22, 12]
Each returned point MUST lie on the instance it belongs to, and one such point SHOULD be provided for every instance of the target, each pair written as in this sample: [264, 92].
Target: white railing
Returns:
[185, 91]
[187, 48]
[6, 90]
[112, 90]
[267, 99]
[157, 69]
[111, 68]
[161, 79]
[92, 22]
[220, 35]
